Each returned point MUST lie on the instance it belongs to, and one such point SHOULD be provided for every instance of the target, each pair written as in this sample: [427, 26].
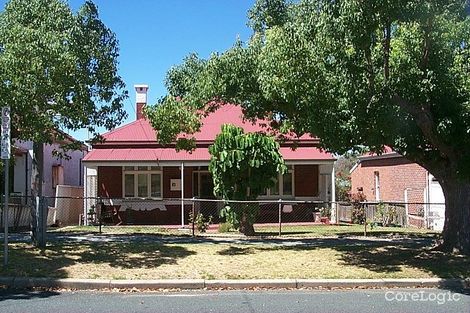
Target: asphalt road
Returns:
[272, 301]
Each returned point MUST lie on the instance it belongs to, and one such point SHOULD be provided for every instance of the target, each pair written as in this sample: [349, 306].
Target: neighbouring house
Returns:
[57, 171]
[132, 170]
[390, 177]
[62, 177]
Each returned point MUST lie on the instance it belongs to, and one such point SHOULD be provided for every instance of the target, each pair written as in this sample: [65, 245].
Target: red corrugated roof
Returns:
[136, 141]
[199, 154]
[387, 152]
[141, 130]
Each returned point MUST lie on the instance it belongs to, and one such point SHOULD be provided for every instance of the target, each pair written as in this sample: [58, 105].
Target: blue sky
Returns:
[156, 34]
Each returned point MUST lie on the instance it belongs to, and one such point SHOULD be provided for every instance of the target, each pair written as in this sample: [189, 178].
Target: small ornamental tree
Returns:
[242, 167]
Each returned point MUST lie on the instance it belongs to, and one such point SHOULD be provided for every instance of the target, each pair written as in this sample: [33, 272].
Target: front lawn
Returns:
[220, 259]
[288, 230]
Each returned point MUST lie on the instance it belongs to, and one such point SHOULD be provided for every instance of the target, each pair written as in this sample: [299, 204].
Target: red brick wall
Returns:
[395, 175]
[174, 173]
[306, 180]
[110, 181]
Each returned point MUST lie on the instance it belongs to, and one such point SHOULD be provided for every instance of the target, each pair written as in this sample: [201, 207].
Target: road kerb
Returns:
[251, 283]
[158, 284]
[339, 283]
[82, 284]
[90, 284]
[426, 283]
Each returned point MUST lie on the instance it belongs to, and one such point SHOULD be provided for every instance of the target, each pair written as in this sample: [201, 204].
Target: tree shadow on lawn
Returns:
[242, 251]
[347, 233]
[377, 256]
[389, 258]
[53, 261]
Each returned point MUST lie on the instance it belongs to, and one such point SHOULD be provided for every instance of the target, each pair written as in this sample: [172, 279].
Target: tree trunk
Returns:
[456, 233]
[36, 188]
[246, 227]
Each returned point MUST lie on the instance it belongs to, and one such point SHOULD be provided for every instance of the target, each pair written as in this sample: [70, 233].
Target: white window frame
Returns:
[136, 173]
[280, 179]
[377, 185]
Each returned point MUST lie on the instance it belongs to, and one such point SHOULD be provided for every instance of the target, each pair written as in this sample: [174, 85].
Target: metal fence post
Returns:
[365, 206]
[407, 212]
[280, 217]
[5, 219]
[193, 217]
[42, 221]
[100, 219]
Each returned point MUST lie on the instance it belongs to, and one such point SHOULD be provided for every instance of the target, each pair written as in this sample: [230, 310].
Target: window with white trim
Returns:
[283, 184]
[377, 185]
[142, 182]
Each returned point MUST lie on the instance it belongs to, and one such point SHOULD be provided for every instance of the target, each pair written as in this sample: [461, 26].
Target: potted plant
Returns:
[325, 214]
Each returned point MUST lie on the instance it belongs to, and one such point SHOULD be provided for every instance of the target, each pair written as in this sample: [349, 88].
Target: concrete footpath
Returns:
[93, 284]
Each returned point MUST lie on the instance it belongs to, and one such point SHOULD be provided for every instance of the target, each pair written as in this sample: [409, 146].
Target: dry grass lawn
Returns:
[304, 231]
[215, 260]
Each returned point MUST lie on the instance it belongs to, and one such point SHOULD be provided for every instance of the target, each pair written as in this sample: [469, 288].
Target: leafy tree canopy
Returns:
[242, 167]
[355, 73]
[380, 72]
[58, 69]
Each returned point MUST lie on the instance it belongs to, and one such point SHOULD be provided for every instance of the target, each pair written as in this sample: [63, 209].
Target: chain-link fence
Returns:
[271, 217]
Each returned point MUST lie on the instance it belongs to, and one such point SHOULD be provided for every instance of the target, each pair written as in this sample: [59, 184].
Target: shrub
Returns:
[325, 212]
[200, 222]
[358, 214]
[386, 214]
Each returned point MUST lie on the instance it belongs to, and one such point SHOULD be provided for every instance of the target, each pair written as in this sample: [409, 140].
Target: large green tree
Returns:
[58, 71]
[242, 167]
[357, 74]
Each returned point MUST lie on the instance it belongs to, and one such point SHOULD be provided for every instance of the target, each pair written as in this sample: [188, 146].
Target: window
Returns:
[377, 185]
[287, 183]
[274, 190]
[57, 175]
[283, 184]
[203, 185]
[142, 182]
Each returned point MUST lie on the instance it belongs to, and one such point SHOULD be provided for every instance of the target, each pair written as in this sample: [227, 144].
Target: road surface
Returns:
[257, 301]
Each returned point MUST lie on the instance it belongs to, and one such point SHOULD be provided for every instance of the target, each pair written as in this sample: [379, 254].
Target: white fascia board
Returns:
[390, 155]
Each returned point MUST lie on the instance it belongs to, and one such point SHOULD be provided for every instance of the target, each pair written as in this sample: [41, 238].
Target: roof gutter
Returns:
[390, 155]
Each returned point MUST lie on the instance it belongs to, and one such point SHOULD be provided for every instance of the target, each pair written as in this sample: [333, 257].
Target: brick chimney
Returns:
[140, 99]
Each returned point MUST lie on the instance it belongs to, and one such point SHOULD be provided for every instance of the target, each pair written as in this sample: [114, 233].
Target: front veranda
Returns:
[155, 193]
